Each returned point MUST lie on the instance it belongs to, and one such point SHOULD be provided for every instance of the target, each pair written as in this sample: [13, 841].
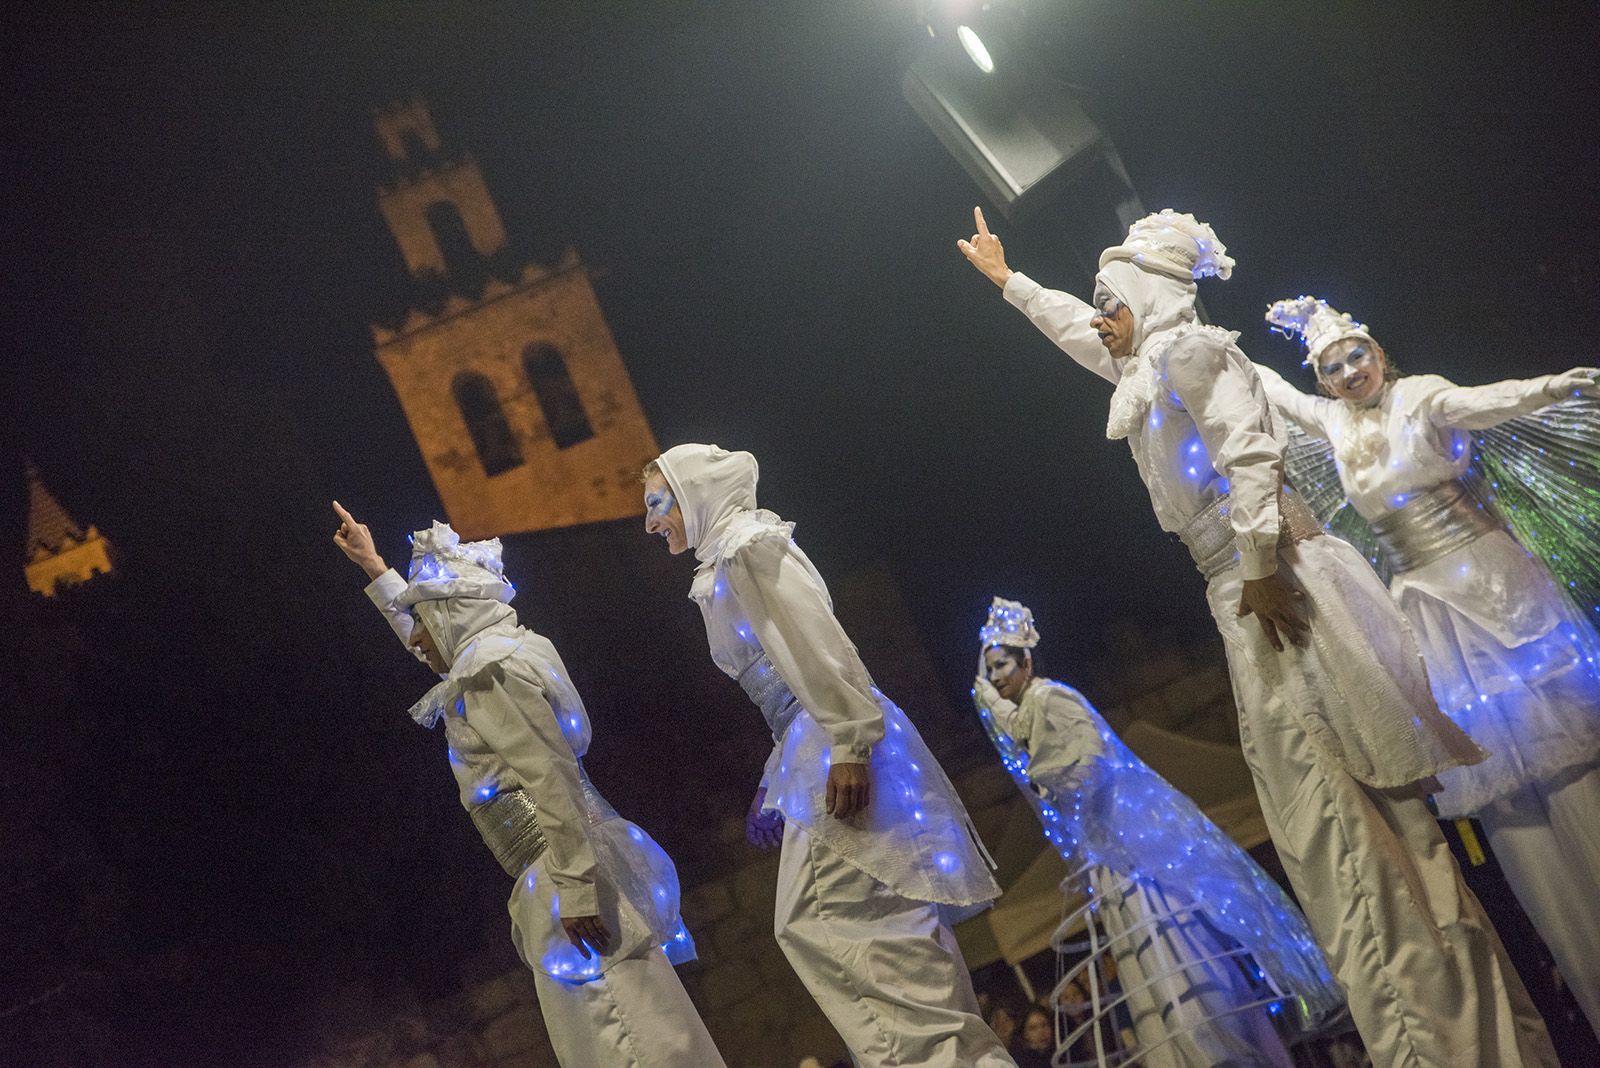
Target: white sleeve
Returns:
[1481, 407]
[1063, 741]
[1064, 319]
[1005, 715]
[1303, 408]
[793, 619]
[509, 711]
[383, 592]
[1233, 423]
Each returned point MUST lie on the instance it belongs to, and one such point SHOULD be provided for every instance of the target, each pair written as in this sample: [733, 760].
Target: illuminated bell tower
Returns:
[511, 381]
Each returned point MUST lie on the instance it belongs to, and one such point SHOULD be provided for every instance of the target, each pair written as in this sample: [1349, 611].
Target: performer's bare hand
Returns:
[1278, 605]
[849, 790]
[587, 929]
[985, 252]
[355, 540]
[1578, 382]
[763, 829]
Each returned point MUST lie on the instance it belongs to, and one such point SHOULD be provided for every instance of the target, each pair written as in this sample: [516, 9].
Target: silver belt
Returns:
[1211, 540]
[1431, 524]
[771, 694]
[509, 824]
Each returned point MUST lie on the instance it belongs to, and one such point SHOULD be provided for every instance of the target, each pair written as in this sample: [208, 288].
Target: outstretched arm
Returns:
[355, 541]
[1481, 407]
[1061, 317]
[1304, 409]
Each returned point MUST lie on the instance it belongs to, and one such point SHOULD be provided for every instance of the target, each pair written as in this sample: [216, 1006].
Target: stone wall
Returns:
[755, 1008]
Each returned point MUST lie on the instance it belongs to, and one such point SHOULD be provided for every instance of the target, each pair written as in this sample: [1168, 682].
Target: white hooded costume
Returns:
[863, 905]
[1510, 658]
[1341, 736]
[517, 732]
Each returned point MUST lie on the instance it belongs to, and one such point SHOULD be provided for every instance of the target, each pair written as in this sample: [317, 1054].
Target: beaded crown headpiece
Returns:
[1010, 623]
[1317, 323]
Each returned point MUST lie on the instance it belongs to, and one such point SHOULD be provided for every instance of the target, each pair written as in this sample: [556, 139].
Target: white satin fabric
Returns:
[1428, 982]
[1510, 658]
[759, 594]
[636, 1015]
[1426, 977]
[1192, 368]
[519, 723]
[884, 969]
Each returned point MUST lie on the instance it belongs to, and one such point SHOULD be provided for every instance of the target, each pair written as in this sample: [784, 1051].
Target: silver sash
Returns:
[509, 824]
[1431, 524]
[771, 694]
[1210, 536]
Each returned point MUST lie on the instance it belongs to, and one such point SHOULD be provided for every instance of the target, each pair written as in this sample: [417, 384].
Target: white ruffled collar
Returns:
[1137, 389]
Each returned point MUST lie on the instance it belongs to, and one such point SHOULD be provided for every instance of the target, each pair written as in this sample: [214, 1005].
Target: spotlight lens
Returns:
[974, 46]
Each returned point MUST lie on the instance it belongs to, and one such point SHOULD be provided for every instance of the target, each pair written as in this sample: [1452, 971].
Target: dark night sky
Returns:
[194, 254]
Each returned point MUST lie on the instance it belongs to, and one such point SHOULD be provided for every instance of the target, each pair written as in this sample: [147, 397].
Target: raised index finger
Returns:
[983, 227]
[344, 515]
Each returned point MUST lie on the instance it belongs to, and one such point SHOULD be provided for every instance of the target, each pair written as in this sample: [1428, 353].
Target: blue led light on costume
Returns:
[1117, 814]
[946, 862]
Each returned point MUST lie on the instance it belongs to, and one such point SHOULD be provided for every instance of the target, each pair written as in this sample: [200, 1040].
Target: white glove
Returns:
[1578, 382]
[984, 693]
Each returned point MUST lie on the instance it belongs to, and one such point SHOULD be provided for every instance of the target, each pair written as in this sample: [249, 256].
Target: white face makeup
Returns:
[423, 642]
[1352, 369]
[1009, 669]
[662, 515]
[1113, 321]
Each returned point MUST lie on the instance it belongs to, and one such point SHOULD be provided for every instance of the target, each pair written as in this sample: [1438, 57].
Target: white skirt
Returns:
[1512, 661]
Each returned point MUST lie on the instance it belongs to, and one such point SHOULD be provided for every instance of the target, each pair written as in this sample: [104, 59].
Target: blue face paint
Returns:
[659, 504]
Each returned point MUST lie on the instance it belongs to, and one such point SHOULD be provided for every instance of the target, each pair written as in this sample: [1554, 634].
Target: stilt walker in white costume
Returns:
[1204, 941]
[1511, 658]
[1341, 733]
[878, 856]
[594, 904]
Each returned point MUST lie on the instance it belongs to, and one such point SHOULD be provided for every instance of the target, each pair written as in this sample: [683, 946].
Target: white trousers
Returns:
[884, 969]
[635, 1015]
[1546, 837]
[1428, 982]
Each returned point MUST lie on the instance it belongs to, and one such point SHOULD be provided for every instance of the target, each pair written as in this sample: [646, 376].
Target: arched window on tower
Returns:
[416, 151]
[462, 264]
[486, 422]
[558, 397]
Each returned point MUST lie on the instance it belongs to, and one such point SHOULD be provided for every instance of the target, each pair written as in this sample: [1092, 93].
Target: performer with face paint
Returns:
[878, 855]
[1511, 659]
[1338, 726]
[1204, 941]
[594, 901]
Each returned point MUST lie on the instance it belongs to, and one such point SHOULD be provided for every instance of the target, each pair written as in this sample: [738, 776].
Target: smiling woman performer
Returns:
[1509, 657]
[878, 853]
[1202, 938]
